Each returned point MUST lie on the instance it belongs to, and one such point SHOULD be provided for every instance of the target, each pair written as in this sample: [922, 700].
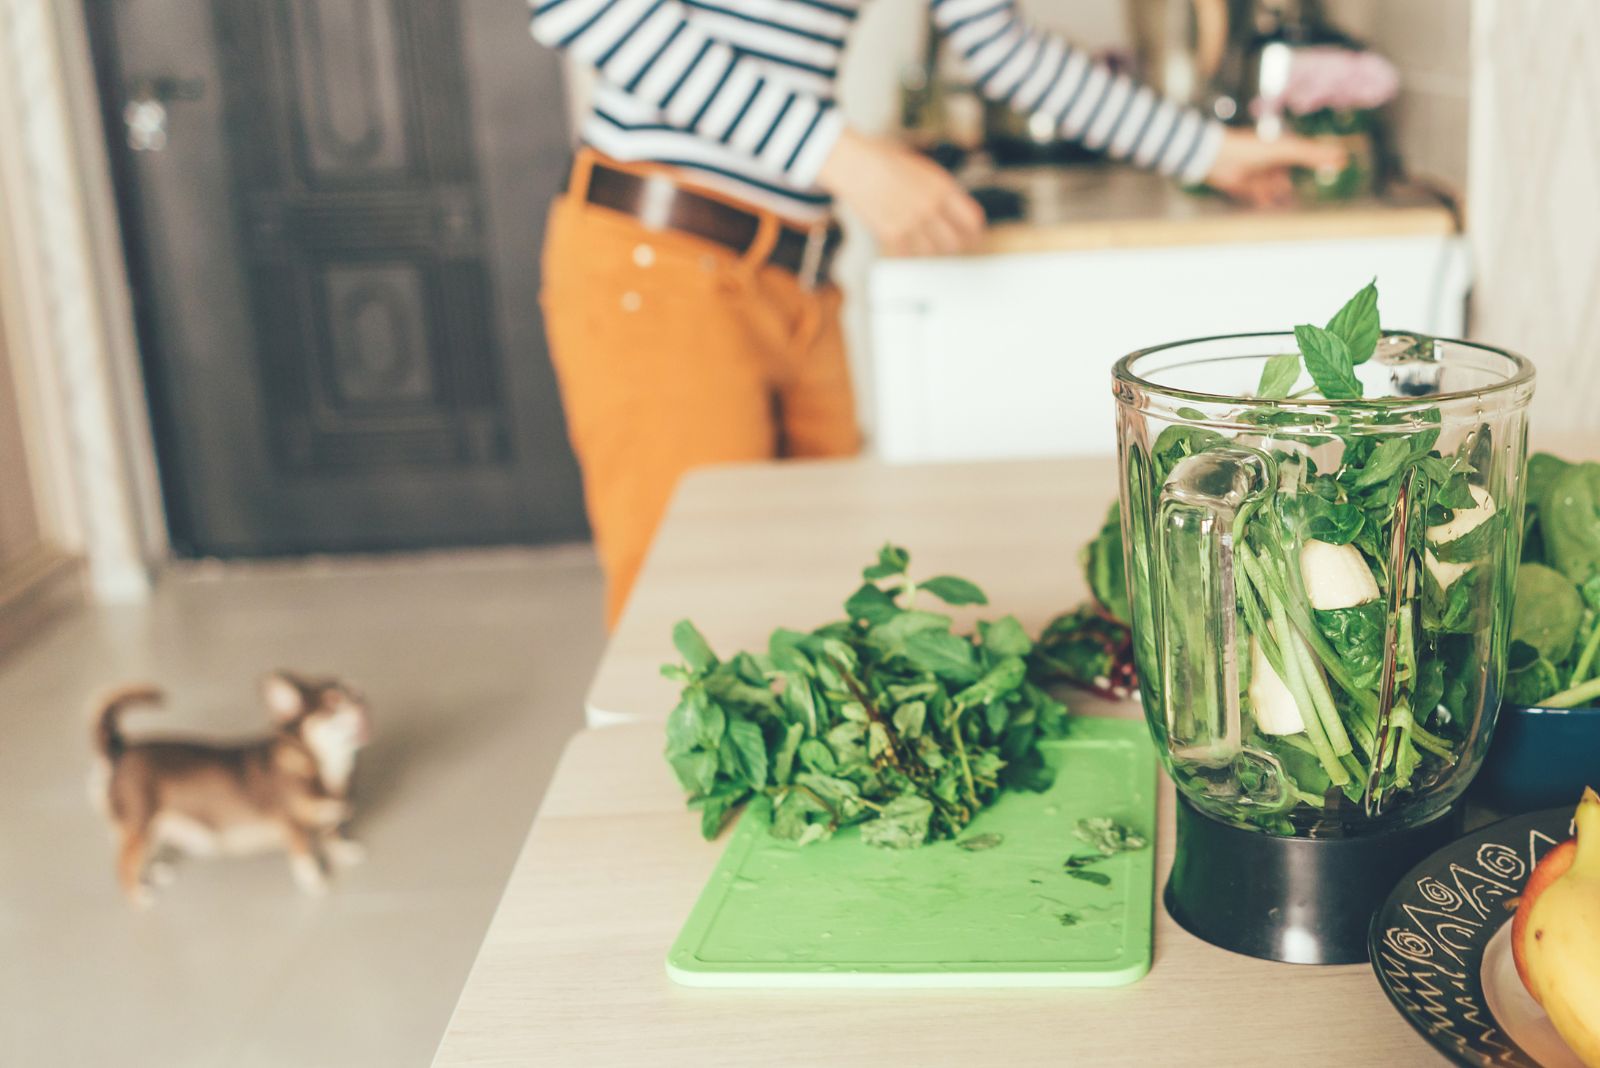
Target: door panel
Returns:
[335, 252]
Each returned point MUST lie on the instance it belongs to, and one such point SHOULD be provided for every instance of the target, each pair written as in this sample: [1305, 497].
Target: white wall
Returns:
[1534, 203]
[1428, 42]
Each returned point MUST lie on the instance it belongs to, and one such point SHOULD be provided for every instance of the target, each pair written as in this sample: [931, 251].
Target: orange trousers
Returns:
[673, 353]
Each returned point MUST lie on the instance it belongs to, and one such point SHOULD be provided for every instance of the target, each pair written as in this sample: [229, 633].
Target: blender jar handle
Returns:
[1197, 622]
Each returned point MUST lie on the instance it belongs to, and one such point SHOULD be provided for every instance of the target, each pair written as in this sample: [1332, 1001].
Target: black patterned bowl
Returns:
[1441, 949]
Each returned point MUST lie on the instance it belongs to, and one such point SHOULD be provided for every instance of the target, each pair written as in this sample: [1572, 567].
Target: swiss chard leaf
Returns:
[1547, 611]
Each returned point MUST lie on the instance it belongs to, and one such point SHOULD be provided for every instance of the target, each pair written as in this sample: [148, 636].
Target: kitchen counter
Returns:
[1106, 206]
[572, 970]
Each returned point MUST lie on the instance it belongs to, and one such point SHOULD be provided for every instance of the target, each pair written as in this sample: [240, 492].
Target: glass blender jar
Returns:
[1321, 598]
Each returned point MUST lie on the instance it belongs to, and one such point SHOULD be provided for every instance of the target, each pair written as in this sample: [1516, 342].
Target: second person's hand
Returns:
[913, 206]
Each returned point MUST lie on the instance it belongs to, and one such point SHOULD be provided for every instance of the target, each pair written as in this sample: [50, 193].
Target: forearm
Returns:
[653, 52]
[1038, 73]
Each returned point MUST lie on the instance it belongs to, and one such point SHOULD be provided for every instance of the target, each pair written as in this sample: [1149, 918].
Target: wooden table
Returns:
[572, 969]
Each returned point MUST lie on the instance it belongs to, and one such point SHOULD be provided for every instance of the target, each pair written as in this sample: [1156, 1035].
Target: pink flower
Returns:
[1337, 78]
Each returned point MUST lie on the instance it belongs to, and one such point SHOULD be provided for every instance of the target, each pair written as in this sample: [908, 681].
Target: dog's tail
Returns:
[109, 708]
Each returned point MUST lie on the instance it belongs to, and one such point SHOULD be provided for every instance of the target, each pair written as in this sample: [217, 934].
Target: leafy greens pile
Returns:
[1317, 606]
[886, 719]
[1555, 626]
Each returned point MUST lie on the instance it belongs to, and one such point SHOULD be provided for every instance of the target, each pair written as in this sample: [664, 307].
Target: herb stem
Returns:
[961, 751]
[1586, 658]
[1574, 696]
[1309, 720]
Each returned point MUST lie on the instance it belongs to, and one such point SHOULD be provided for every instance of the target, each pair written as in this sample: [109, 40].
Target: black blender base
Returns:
[1299, 900]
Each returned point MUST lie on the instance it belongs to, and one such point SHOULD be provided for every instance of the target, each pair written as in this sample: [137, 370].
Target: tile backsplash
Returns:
[1428, 40]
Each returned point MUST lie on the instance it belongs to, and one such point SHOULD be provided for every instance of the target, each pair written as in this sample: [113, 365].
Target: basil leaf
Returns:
[1327, 360]
[1474, 545]
[892, 560]
[1530, 677]
[1356, 324]
[783, 764]
[1279, 376]
[714, 810]
[977, 843]
[692, 647]
[1385, 462]
[1456, 492]
[871, 605]
[1357, 634]
[952, 590]
[816, 756]
[903, 823]
[1005, 637]
[909, 718]
[1000, 680]
[942, 653]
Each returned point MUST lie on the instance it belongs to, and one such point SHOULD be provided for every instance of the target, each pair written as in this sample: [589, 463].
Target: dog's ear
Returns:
[285, 696]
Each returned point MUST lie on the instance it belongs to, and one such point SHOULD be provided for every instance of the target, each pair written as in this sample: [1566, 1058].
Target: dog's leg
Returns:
[130, 866]
[304, 862]
[343, 852]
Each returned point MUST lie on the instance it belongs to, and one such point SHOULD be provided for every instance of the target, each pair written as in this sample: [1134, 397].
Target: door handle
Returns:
[145, 113]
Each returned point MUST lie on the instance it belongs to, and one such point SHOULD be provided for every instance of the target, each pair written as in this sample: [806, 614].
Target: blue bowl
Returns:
[1540, 758]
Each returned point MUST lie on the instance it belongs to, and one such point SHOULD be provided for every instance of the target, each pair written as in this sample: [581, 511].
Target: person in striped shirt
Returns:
[684, 283]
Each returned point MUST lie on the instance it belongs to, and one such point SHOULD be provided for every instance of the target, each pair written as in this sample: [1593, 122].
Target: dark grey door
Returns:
[333, 211]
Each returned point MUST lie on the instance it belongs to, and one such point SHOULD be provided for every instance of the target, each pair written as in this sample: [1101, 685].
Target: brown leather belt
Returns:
[662, 204]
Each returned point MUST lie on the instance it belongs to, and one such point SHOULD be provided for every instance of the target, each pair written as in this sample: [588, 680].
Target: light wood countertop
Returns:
[572, 970]
[1092, 207]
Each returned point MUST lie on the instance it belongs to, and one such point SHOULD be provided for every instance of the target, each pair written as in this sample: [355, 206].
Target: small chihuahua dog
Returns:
[287, 791]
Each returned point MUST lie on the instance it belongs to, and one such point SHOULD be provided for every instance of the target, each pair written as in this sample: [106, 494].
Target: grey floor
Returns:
[475, 667]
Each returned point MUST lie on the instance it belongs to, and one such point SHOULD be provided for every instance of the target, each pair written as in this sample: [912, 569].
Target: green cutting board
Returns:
[839, 913]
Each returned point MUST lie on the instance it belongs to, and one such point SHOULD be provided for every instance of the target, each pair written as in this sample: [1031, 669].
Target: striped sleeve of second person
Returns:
[1038, 73]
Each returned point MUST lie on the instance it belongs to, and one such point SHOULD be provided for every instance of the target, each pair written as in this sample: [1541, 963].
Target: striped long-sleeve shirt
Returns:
[741, 92]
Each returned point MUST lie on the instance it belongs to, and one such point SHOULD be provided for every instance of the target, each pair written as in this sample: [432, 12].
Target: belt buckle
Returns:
[810, 272]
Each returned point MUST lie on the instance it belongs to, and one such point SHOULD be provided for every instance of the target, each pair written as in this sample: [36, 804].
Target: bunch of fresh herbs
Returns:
[1555, 625]
[886, 719]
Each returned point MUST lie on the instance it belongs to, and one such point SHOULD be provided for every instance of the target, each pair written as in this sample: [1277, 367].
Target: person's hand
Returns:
[1257, 172]
[911, 204]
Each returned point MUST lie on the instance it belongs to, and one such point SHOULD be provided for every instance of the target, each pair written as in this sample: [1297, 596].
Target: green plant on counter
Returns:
[886, 719]
[1555, 626]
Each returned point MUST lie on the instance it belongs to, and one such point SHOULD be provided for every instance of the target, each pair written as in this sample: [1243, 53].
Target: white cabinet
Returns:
[1008, 355]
